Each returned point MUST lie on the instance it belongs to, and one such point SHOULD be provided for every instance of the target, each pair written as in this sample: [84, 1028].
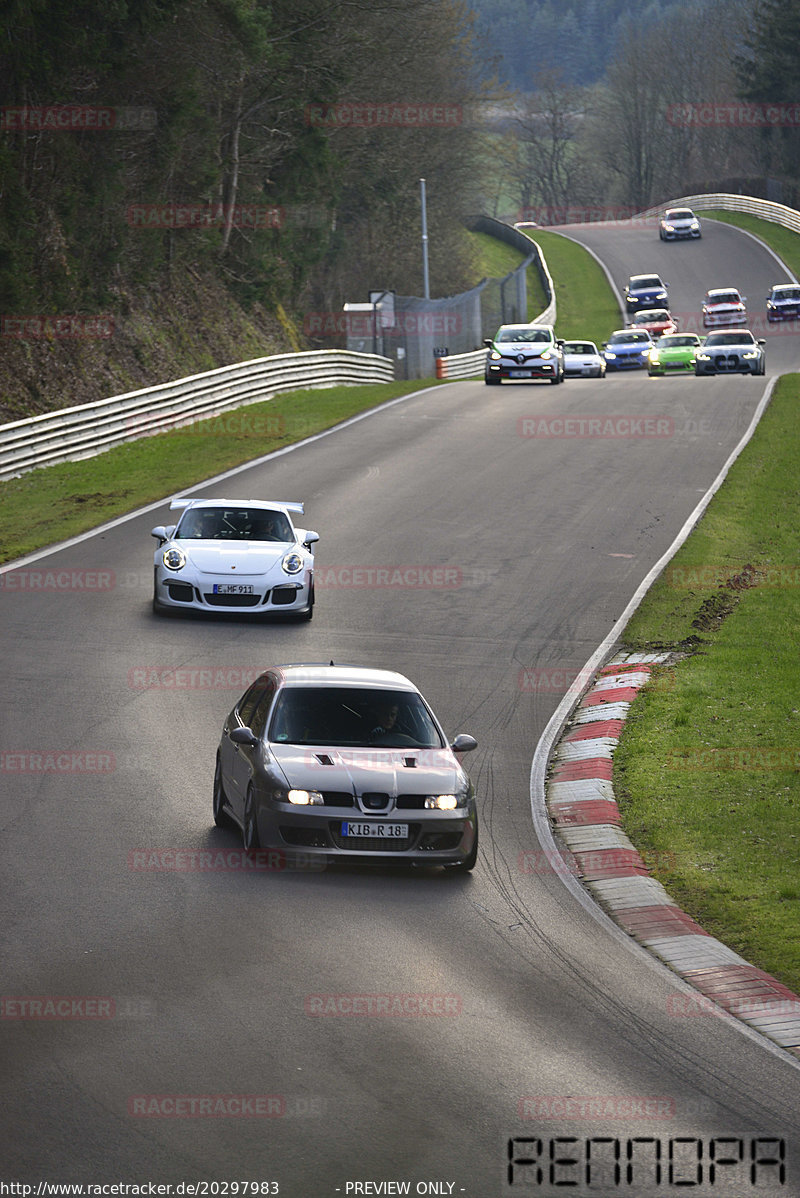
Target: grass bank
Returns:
[494, 259]
[585, 303]
[48, 505]
[708, 769]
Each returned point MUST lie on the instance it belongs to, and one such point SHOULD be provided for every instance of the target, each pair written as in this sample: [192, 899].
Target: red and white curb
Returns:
[586, 818]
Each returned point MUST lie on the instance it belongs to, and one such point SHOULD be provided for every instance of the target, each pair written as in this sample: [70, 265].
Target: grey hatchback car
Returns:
[345, 762]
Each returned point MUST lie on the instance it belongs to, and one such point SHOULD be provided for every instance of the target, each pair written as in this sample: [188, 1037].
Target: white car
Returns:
[234, 555]
[679, 223]
[724, 306]
[584, 358]
[524, 351]
[731, 351]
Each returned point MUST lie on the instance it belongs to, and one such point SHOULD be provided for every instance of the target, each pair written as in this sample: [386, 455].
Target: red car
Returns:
[656, 321]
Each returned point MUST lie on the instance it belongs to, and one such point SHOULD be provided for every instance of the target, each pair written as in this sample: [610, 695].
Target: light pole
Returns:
[426, 283]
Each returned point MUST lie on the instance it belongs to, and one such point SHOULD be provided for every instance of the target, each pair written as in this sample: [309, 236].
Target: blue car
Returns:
[645, 291]
[783, 302]
[628, 349]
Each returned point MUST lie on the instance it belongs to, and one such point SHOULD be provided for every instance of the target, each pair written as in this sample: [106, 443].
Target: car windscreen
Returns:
[529, 336]
[652, 316]
[786, 293]
[680, 214]
[725, 297]
[352, 717]
[675, 340]
[579, 347]
[646, 282]
[627, 337]
[234, 523]
[729, 339]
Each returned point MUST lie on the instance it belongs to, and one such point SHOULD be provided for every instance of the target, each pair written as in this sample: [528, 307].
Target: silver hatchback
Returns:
[346, 762]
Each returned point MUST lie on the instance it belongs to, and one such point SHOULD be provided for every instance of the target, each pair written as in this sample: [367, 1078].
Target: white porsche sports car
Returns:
[234, 555]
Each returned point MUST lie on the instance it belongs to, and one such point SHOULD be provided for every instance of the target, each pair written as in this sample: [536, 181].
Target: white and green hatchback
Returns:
[524, 351]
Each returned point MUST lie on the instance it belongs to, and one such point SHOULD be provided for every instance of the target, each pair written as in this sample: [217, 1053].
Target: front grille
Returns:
[338, 798]
[180, 592]
[283, 595]
[410, 802]
[441, 841]
[374, 800]
[232, 600]
[305, 838]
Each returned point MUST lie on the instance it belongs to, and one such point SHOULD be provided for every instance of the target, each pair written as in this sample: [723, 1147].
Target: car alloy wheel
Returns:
[250, 824]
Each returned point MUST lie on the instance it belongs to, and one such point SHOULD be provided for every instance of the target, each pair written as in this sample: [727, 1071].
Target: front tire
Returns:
[492, 382]
[221, 817]
[250, 837]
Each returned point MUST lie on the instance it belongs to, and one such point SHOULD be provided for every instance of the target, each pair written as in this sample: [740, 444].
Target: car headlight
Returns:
[695, 224]
[703, 357]
[305, 798]
[609, 354]
[753, 353]
[174, 559]
[662, 295]
[495, 356]
[653, 355]
[293, 563]
[441, 802]
[669, 228]
[546, 356]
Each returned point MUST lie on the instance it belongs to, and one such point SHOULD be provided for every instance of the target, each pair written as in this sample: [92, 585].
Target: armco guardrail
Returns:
[778, 213]
[83, 432]
[466, 366]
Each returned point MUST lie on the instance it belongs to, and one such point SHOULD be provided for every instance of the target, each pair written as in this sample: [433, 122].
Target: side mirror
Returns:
[762, 341]
[244, 736]
[464, 743]
[310, 538]
[162, 533]
[487, 341]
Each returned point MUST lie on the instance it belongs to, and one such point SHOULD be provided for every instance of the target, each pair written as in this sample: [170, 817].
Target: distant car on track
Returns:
[656, 321]
[627, 349]
[645, 291]
[345, 762]
[679, 224]
[234, 555]
[674, 353]
[524, 351]
[783, 302]
[584, 358]
[724, 306]
[731, 351]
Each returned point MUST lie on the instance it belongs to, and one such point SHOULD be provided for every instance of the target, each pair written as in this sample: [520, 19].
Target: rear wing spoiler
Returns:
[290, 506]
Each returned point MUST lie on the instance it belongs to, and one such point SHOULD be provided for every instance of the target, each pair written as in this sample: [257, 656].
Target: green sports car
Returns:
[673, 354]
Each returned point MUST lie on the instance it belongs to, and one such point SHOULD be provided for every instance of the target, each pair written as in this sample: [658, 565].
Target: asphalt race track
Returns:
[512, 1013]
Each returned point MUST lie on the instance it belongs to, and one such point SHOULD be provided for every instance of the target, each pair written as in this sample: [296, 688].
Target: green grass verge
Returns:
[707, 773]
[494, 259]
[784, 242]
[585, 303]
[48, 505]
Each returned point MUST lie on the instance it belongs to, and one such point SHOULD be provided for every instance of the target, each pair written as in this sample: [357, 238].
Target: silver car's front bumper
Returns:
[193, 591]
